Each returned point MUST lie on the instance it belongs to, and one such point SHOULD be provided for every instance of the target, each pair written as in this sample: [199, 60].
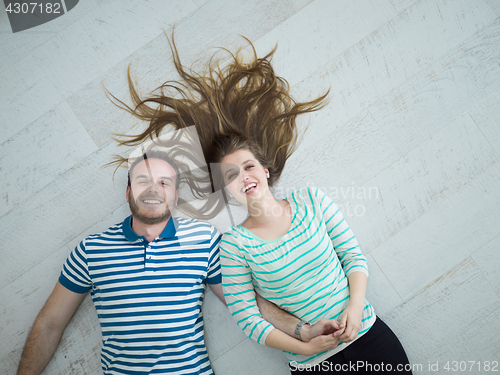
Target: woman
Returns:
[298, 252]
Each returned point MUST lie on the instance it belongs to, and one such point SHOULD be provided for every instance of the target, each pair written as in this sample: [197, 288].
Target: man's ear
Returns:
[128, 192]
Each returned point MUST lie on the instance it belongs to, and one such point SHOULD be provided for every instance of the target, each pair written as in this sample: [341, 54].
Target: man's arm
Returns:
[47, 330]
[217, 289]
[287, 322]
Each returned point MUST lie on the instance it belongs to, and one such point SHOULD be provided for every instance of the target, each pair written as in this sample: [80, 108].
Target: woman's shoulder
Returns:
[306, 194]
[234, 240]
[234, 235]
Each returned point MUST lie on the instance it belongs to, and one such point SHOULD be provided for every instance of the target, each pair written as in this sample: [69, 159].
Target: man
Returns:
[147, 278]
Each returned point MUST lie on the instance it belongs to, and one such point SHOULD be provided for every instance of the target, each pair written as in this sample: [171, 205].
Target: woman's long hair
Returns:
[243, 104]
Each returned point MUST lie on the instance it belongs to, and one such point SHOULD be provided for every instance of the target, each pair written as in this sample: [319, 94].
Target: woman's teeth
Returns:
[248, 187]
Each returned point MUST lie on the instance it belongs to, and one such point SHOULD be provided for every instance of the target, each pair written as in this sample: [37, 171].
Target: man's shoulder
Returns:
[186, 226]
[113, 232]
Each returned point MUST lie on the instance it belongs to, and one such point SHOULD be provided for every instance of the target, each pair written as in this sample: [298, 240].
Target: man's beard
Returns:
[161, 215]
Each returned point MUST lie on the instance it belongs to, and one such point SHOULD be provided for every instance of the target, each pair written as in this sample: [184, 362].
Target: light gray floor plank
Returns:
[151, 62]
[408, 147]
[461, 296]
[41, 152]
[27, 94]
[487, 259]
[333, 26]
[453, 230]
[426, 103]
[57, 214]
[270, 361]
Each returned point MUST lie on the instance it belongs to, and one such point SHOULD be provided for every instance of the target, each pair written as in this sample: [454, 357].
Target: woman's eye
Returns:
[249, 166]
[231, 176]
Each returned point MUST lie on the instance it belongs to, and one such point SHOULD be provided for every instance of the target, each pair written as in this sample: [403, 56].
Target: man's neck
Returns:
[149, 231]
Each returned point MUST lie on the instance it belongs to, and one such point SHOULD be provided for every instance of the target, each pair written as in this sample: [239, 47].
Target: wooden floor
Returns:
[408, 147]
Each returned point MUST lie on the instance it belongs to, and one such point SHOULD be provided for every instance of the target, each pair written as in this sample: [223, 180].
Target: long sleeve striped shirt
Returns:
[304, 272]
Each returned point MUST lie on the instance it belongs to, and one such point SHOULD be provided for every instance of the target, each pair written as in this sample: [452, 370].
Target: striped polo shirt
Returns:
[304, 272]
[148, 295]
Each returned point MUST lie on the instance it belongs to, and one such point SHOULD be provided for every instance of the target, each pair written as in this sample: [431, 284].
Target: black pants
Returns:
[378, 351]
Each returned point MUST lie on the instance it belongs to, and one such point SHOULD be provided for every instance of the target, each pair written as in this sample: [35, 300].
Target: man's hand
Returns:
[323, 327]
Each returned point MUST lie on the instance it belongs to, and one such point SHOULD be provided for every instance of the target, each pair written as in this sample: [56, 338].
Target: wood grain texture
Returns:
[251, 357]
[424, 104]
[16, 46]
[20, 293]
[446, 308]
[320, 32]
[27, 93]
[380, 292]
[487, 258]
[59, 212]
[41, 152]
[221, 331]
[115, 217]
[401, 5]
[429, 29]
[427, 175]
[101, 118]
[487, 117]
[495, 6]
[453, 229]
[408, 148]
[337, 157]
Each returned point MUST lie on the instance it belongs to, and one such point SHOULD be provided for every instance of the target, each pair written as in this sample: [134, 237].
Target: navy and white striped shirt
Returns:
[148, 295]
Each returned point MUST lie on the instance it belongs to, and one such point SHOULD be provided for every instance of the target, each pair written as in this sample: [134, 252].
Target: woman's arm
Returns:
[343, 240]
[241, 300]
[353, 263]
[351, 317]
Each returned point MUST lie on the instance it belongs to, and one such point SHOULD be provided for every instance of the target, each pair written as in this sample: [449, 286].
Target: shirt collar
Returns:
[168, 232]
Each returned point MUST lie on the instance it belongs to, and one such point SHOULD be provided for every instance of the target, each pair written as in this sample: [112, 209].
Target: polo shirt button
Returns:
[149, 257]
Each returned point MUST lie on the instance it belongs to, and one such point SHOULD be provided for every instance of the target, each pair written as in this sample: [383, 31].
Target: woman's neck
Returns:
[265, 210]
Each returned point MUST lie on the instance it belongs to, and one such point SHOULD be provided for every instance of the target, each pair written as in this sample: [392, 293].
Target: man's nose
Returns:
[153, 186]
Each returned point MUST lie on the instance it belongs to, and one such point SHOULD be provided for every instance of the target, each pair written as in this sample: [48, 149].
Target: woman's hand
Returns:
[321, 343]
[351, 318]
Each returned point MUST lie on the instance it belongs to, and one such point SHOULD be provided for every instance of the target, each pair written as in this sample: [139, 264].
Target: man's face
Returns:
[152, 191]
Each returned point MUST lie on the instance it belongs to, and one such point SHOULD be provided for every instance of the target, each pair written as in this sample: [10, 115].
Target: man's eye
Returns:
[164, 183]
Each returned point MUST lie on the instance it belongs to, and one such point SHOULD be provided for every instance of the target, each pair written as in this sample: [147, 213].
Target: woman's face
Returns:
[244, 177]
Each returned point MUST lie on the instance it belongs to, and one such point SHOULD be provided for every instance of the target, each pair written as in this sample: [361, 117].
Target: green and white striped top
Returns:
[303, 272]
